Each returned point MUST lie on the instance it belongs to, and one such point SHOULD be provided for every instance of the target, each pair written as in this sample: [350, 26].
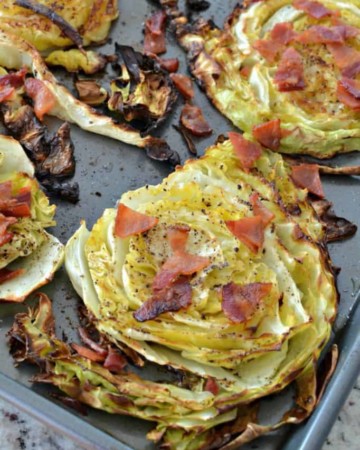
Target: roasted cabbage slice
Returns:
[16, 53]
[280, 59]
[29, 256]
[221, 272]
[92, 19]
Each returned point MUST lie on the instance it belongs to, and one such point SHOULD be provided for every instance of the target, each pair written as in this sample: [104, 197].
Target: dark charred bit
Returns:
[72, 403]
[143, 94]
[159, 150]
[197, 5]
[60, 162]
[188, 141]
[90, 92]
[63, 189]
[50, 14]
[336, 228]
[28, 130]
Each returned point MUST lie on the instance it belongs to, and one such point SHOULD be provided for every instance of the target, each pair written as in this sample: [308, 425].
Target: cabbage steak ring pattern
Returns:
[292, 60]
[29, 256]
[232, 349]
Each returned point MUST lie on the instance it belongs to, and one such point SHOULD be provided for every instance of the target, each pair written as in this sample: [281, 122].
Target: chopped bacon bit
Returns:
[345, 97]
[24, 195]
[245, 71]
[7, 274]
[170, 64]
[90, 343]
[268, 134]
[193, 120]
[6, 93]
[154, 41]
[352, 86]
[5, 190]
[18, 206]
[5, 222]
[17, 210]
[312, 8]
[346, 31]
[249, 230]
[240, 302]
[114, 361]
[212, 386]
[183, 84]
[14, 80]
[281, 35]
[248, 152]
[178, 236]
[43, 99]
[129, 222]
[260, 209]
[306, 176]
[347, 59]
[322, 35]
[87, 353]
[173, 298]
[290, 73]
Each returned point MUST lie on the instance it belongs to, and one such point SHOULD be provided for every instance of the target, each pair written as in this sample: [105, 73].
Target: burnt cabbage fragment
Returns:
[143, 94]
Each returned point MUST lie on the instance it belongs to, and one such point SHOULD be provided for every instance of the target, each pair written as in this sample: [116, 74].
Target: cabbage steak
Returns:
[240, 81]
[226, 363]
[29, 256]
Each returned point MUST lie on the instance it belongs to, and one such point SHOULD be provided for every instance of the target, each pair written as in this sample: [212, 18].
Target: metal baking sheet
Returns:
[107, 168]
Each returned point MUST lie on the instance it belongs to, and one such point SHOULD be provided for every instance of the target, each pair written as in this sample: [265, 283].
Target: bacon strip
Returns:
[87, 353]
[5, 222]
[212, 386]
[6, 93]
[347, 59]
[281, 35]
[268, 134]
[348, 93]
[290, 73]
[260, 209]
[322, 35]
[177, 296]
[17, 206]
[114, 361]
[249, 230]
[7, 274]
[129, 222]
[240, 302]
[247, 152]
[154, 41]
[306, 176]
[43, 99]
[193, 120]
[169, 64]
[312, 8]
[14, 79]
[183, 84]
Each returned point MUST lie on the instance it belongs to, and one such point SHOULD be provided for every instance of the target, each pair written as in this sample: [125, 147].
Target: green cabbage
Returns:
[314, 120]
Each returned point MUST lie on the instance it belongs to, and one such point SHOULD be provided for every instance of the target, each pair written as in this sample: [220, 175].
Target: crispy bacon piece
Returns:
[240, 302]
[348, 93]
[154, 41]
[5, 222]
[313, 9]
[129, 222]
[41, 95]
[173, 298]
[7, 274]
[87, 353]
[260, 209]
[306, 176]
[181, 262]
[249, 230]
[347, 59]
[319, 34]
[17, 206]
[290, 73]
[114, 361]
[246, 151]
[183, 84]
[281, 35]
[268, 134]
[90, 343]
[193, 120]
[169, 64]
[211, 386]
[6, 93]
[14, 79]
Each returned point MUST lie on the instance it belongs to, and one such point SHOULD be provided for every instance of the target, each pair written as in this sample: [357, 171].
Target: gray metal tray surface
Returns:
[107, 168]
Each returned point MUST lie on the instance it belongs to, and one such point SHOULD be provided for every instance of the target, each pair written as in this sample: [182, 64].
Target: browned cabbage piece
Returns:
[16, 53]
[83, 22]
[143, 94]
